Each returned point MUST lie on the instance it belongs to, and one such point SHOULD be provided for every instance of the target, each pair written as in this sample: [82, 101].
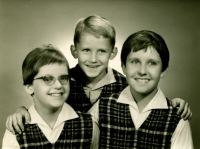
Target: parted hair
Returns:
[38, 57]
[142, 40]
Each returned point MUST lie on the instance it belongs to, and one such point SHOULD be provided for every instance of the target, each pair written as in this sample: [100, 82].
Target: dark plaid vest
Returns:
[117, 129]
[77, 97]
[76, 134]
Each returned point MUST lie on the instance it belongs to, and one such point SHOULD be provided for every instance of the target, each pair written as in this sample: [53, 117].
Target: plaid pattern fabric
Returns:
[117, 129]
[76, 134]
[77, 97]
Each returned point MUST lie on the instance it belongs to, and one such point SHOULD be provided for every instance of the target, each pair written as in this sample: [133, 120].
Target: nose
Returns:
[93, 57]
[57, 84]
[142, 70]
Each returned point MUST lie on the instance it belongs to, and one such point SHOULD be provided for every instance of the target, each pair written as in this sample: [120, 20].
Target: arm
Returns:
[183, 108]
[15, 122]
[182, 136]
[9, 141]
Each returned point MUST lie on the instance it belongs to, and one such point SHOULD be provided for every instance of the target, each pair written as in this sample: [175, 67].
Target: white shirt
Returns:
[182, 136]
[94, 91]
[67, 113]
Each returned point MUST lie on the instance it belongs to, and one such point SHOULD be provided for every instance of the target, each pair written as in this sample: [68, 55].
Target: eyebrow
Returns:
[63, 74]
[132, 58]
[155, 60]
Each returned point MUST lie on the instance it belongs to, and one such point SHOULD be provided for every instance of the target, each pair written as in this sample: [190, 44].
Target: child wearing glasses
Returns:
[54, 123]
[141, 116]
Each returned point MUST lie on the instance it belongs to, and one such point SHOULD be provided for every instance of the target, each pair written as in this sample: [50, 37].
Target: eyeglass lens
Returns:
[49, 80]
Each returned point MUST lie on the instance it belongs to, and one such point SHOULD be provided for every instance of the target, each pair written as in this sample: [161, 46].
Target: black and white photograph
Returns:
[100, 74]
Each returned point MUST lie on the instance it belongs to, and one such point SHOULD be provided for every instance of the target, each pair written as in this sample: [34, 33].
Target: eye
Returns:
[47, 78]
[65, 77]
[134, 61]
[102, 51]
[86, 50]
[153, 63]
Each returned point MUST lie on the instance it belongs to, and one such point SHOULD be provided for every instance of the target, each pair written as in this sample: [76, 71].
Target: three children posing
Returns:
[92, 78]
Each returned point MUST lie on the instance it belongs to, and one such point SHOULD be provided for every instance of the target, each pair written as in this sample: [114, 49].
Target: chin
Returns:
[57, 104]
[142, 91]
[145, 92]
[57, 107]
[92, 74]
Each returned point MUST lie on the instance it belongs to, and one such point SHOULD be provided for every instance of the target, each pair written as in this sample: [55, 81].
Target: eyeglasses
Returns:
[50, 80]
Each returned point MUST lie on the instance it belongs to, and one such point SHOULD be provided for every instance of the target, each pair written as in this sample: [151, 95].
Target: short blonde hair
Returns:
[97, 26]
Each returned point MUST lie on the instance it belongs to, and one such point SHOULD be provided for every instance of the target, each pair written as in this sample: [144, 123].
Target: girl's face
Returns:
[50, 97]
[143, 70]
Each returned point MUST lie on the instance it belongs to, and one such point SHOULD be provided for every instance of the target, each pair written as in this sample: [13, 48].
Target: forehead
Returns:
[88, 40]
[149, 53]
[53, 69]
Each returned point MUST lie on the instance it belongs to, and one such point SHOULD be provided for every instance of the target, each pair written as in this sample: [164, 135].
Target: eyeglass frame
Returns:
[53, 79]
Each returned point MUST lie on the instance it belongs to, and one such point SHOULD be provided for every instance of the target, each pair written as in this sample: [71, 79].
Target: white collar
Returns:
[158, 101]
[66, 113]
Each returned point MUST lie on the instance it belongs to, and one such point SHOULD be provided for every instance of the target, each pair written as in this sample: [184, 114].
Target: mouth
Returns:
[93, 66]
[142, 80]
[56, 94]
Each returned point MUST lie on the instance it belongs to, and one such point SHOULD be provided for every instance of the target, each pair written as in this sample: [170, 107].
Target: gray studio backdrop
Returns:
[26, 24]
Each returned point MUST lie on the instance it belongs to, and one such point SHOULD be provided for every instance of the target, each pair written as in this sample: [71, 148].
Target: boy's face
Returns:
[143, 71]
[50, 97]
[93, 55]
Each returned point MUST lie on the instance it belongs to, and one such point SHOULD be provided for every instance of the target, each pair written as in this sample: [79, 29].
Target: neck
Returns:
[95, 80]
[49, 115]
[142, 100]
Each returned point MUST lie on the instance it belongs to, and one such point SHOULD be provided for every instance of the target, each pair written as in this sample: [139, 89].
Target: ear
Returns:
[29, 89]
[73, 51]
[124, 69]
[163, 74]
[114, 53]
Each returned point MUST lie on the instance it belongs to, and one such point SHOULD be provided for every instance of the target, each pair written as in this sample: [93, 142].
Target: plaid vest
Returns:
[76, 134]
[117, 129]
[77, 97]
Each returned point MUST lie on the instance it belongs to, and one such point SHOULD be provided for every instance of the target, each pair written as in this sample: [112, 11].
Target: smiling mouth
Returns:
[56, 94]
[93, 66]
[142, 80]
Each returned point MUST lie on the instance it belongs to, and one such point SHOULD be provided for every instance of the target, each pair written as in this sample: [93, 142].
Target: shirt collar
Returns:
[66, 113]
[158, 101]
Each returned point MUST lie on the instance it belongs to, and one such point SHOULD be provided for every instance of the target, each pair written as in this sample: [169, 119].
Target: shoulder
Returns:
[75, 73]
[118, 74]
[74, 69]
[9, 140]
[84, 115]
[83, 119]
[112, 98]
[120, 78]
[170, 107]
[30, 127]
[171, 112]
